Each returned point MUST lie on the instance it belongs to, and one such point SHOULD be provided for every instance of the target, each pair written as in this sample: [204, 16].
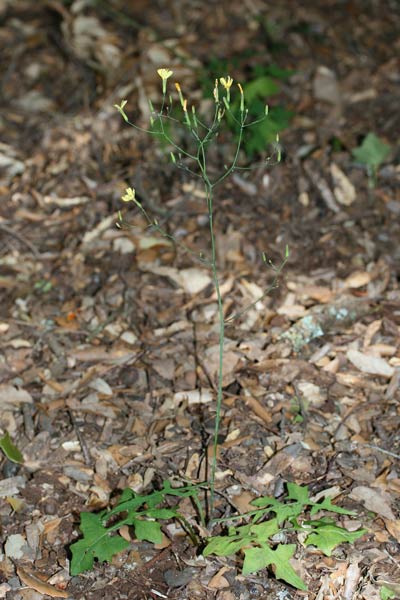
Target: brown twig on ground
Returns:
[84, 447]
[21, 239]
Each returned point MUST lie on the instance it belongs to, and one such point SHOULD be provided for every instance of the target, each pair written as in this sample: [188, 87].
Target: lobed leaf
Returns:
[259, 558]
[328, 535]
[148, 530]
[326, 504]
[97, 543]
[223, 545]
[372, 151]
[282, 511]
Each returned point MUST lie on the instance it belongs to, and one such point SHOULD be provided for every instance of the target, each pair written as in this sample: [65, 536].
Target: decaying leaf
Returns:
[373, 499]
[374, 365]
[31, 579]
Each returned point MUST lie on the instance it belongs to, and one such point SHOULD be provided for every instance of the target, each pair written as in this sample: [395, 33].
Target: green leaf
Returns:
[127, 494]
[327, 536]
[282, 511]
[225, 545]
[148, 530]
[256, 559]
[10, 450]
[372, 151]
[259, 558]
[278, 73]
[283, 568]
[186, 491]
[326, 504]
[261, 86]
[262, 531]
[386, 593]
[257, 138]
[298, 493]
[97, 543]
[161, 513]
[102, 542]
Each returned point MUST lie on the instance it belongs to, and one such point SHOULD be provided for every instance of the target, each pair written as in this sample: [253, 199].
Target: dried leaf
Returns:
[358, 279]
[374, 365]
[218, 581]
[11, 396]
[376, 500]
[200, 396]
[32, 580]
[344, 190]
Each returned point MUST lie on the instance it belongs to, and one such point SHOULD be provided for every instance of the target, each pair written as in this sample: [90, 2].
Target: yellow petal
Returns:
[226, 82]
[129, 195]
[164, 73]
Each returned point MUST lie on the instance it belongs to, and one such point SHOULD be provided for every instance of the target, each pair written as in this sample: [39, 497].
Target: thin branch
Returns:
[273, 286]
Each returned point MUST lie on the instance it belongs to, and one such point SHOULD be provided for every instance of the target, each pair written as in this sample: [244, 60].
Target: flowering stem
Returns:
[221, 323]
[199, 158]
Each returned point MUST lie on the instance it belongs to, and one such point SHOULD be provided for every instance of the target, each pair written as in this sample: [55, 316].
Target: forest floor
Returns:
[109, 335]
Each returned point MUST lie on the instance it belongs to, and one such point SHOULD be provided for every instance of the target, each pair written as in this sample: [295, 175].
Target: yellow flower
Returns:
[227, 83]
[129, 195]
[164, 73]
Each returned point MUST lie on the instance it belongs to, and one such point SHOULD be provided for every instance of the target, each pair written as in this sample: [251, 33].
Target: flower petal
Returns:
[164, 73]
[129, 195]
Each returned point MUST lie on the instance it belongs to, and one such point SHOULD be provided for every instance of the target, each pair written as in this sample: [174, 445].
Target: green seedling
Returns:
[297, 408]
[101, 540]
[257, 90]
[371, 154]
[386, 593]
[257, 539]
[263, 83]
[10, 450]
[43, 286]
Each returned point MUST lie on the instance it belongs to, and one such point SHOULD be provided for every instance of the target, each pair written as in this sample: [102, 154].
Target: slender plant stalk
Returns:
[209, 190]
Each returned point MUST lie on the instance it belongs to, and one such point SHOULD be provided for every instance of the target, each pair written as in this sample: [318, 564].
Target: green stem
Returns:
[209, 192]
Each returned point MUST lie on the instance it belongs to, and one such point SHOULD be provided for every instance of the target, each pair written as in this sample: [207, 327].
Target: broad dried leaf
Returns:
[374, 365]
[11, 396]
[30, 579]
[376, 500]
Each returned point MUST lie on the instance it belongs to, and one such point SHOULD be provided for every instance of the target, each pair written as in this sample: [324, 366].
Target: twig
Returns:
[85, 450]
[21, 239]
[373, 447]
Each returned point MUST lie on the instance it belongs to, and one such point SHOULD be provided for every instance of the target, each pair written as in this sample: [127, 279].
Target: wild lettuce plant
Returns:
[195, 162]
[260, 538]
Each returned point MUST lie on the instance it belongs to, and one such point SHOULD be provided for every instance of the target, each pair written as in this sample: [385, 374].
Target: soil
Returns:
[109, 329]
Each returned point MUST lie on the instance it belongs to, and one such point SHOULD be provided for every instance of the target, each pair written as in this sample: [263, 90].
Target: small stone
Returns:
[15, 546]
[174, 578]
[325, 86]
